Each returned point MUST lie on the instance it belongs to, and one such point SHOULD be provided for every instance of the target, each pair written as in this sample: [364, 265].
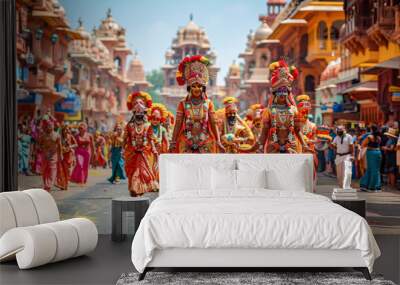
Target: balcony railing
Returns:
[357, 24]
[397, 21]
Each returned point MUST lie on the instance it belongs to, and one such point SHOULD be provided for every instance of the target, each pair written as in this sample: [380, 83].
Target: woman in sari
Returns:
[83, 153]
[195, 130]
[117, 161]
[100, 144]
[50, 147]
[138, 147]
[24, 147]
[65, 165]
[371, 180]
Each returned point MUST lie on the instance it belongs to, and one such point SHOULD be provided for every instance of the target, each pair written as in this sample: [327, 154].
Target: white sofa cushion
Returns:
[23, 208]
[7, 217]
[41, 244]
[31, 232]
[45, 206]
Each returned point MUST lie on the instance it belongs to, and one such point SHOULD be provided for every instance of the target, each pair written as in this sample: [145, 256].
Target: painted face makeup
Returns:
[196, 89]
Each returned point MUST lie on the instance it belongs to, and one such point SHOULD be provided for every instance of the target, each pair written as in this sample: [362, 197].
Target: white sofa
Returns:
[31, 230]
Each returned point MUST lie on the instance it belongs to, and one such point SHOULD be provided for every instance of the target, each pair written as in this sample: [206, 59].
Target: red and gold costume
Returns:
[281, 132]
[138, 147]
[100, 144]
[236, 135]
[158, 134]
[50, 147]
[309, 129]
[195, 129]
[254, 119]
[169, 124]
[65, 166]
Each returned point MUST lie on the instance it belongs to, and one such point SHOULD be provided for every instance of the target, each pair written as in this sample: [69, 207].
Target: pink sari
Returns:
[83, 154]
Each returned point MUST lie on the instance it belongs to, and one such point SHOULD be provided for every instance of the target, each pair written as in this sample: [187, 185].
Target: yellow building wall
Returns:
[314, 50]
[367, 57]
[386, 53]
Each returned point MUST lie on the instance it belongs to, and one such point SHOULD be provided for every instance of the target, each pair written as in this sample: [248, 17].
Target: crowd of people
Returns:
[374, 151]
[63, 153]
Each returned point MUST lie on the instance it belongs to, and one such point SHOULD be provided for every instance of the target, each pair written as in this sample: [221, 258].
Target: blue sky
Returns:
[151, 24]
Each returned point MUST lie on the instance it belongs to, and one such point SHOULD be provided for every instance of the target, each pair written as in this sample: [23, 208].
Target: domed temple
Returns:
[259, 53]
[190, 40]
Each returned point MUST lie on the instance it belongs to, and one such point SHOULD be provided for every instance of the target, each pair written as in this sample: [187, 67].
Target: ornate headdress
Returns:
[303, 102]
[161, 108]
[193, 70]
[323, 133]
[171, 117]
[230, 103]
[282, 75]
[256, 107]
[303, 97]
[138, 95]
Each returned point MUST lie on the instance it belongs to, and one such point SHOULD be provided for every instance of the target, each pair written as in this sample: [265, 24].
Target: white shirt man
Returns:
[343, 143]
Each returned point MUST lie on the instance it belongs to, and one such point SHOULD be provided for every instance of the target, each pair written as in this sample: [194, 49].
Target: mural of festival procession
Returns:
[63, 153]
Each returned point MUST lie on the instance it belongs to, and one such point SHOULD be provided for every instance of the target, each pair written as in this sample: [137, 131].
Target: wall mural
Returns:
[92, 125]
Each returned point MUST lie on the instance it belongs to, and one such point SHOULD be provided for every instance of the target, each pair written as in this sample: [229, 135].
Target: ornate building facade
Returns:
[71, 73]
[372, 33]
[43, 68]
[308, 32]
[189, 40]
[137, 76]
[259, 53]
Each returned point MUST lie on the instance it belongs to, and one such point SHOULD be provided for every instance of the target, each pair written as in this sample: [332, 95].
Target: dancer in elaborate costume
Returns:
[158, 134]
[50, 147]
[100, 144]
[321, 146]
[309, 129]
[195, 129]
[65, 165]
[236, 135]
[138, 147]
[117, 161]
[84, 153]
[169, 124]
[254, 119]
[281, 133]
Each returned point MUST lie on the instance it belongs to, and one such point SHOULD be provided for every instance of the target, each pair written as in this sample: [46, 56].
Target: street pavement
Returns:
[93, 201]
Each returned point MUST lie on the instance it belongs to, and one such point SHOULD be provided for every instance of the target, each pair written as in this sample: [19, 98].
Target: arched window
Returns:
[309, 84]
[117, 63]
[263, 60]
[75, 75]
[335, 30]
[322, 34]
[303, 47]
